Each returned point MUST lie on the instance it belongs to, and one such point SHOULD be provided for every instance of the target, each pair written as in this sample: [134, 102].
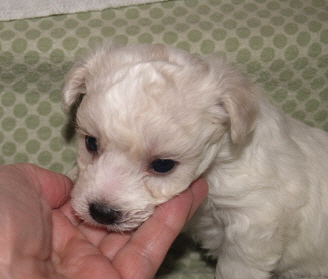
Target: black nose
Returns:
[102, 214]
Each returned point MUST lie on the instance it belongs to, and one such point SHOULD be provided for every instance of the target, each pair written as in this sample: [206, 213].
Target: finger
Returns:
[150, 243]
[182, 207]
[200, 191]
[113, 243]
[54, 187]
[93, 234]
[63, 231]
[74, 256]
[69, 212]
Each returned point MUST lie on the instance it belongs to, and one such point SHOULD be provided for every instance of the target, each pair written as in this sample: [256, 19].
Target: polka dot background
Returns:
[283, 44]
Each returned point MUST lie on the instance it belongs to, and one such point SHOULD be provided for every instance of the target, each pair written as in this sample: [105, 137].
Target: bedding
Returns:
[282, 44]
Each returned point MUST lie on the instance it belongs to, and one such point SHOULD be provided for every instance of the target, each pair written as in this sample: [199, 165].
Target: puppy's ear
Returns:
[237, 97]
[240, 102]
[74, 85]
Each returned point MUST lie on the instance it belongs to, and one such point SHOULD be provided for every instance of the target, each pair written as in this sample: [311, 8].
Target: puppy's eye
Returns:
[162, 165]
[91, 144]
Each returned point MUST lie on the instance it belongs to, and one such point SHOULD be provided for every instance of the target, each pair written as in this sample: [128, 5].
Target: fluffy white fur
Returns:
[267, 207]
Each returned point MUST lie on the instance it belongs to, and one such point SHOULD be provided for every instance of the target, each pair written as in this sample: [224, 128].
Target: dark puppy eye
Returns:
[162, 165]
[91, 144]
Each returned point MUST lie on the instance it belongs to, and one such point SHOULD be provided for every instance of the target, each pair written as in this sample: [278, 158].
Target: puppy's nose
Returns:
[102, 214]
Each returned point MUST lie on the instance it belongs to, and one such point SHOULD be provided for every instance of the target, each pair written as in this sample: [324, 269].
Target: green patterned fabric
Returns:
[283, 44]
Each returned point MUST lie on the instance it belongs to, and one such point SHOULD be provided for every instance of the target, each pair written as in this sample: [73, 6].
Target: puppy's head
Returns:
[152, 119]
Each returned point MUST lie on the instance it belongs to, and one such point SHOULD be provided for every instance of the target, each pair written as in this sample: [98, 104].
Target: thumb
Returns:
[54, 187]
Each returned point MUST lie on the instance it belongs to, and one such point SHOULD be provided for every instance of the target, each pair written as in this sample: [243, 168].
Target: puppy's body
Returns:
[269, 203]
[268, 178]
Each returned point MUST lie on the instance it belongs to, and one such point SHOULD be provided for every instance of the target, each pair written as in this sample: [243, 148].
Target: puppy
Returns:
[154, 118]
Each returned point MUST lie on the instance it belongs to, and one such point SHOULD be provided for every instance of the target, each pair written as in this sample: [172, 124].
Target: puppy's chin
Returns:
[124, 226]
[130, 221]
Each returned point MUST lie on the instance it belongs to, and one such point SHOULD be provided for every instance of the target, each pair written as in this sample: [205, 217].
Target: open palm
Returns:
[67, 248]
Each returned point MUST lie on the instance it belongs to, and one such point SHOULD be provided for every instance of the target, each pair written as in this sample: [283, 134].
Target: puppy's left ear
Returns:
[241, 103]
[74, 85]
[236, 99]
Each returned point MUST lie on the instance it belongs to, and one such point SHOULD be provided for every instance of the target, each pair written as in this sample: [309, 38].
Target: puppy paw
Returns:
[235, 269]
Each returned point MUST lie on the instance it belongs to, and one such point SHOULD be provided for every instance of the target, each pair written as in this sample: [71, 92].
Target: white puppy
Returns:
[154, 118]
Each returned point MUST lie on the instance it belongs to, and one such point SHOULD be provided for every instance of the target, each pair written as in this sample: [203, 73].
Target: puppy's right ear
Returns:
[75, 85]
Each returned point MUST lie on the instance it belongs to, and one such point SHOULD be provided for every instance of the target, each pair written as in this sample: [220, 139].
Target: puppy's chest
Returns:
[222, 212]
[231, 190]
[235, 197]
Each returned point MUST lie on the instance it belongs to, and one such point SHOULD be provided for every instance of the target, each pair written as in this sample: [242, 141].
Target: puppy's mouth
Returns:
[115, 219]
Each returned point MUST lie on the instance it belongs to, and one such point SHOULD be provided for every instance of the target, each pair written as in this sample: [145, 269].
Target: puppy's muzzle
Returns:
[104, 215]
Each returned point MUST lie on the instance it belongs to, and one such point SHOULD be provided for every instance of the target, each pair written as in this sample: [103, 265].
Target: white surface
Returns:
[19, 9]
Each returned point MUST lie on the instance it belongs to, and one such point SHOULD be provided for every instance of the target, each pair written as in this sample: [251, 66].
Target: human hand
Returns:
[27, 194]
[77, 250]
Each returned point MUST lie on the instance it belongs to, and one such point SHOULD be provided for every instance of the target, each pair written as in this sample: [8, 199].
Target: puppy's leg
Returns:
[232, 267]
[248, 256]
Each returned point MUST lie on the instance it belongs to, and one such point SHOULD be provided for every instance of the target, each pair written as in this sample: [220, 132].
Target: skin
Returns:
[41, 237]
